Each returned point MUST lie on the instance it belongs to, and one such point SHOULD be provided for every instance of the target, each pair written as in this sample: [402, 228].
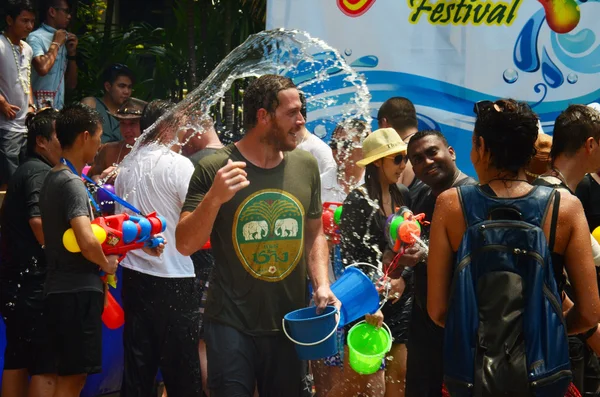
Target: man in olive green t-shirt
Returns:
[260, 203]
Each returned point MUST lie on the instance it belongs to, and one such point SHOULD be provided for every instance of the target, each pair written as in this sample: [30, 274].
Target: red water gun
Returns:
[118, 235]
[122, 233]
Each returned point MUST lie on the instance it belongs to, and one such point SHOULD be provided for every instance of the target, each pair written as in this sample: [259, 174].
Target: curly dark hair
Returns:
[262, 94]
[572, 129]
[509, 133]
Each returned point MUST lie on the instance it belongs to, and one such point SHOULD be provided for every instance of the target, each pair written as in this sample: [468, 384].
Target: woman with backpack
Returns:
[498, 253]
[362, 227]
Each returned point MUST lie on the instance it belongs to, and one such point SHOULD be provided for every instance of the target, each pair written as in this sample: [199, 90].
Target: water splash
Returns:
[335, 93]
[510, 76]
[525, 54]
[550, 72]
[348, 52]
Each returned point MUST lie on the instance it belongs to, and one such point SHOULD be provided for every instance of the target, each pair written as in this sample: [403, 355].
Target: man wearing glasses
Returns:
[117, 81]
[54, 56]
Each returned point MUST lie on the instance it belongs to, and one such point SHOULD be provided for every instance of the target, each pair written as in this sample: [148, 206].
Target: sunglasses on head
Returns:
[482, 106]
[398, 159]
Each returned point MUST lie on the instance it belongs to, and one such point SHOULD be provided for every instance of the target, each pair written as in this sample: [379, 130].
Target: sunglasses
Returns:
[482, 106]
[398, 159]
[65, 10]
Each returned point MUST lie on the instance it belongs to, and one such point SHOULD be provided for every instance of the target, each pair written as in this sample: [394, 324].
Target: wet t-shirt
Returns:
[21, 255]
[63, 197]
[426, 204]
[258, 239]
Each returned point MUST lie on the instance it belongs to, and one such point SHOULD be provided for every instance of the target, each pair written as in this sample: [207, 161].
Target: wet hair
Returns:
[425, 133]
[75, 119]
[14, 8]
[399, 112]
[572, 128]
[374, 187]
[48, 4]
[152, 112]
[40, 124]
[114, 71]
[262, 94]
[303, 108]
[509, 134]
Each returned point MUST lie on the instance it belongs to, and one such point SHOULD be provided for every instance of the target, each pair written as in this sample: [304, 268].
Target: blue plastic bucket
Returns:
[313, 334]
[357, 293]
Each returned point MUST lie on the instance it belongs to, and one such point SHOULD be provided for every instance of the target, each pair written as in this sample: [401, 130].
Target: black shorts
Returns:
[73, 340]
[240, 362]
[204, 262]
[424, 364]
[21, 307]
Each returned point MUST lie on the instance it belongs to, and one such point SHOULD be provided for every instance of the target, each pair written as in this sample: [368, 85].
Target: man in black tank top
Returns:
[575, 152]
[433, 163]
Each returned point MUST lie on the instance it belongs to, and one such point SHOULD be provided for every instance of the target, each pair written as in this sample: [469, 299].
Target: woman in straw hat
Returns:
[363, 240]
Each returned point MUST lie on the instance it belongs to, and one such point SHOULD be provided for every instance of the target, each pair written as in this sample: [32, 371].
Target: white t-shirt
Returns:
[327, 166]
[154, 178]
[10, 81]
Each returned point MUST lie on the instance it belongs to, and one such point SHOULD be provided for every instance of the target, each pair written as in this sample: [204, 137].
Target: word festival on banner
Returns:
[464, 12]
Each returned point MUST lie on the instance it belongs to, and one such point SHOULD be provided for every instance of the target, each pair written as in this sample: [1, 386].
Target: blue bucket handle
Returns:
[313, 343]
[386, 327]
[387, 290]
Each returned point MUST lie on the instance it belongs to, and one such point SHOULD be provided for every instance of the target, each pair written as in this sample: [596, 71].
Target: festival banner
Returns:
[445, 55]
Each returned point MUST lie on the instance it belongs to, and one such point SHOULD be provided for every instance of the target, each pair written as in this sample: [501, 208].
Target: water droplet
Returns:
[320, 131]
[572, 78]
[551, 73]
[525, 54]
[348, 52]
[510, 76]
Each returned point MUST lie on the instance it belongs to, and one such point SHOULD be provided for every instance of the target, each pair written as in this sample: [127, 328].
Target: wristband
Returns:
[55, 43]
[588, 333]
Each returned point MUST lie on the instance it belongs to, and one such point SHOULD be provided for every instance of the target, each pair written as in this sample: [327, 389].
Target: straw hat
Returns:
[132, 108]
[540, 163]
[382, 143]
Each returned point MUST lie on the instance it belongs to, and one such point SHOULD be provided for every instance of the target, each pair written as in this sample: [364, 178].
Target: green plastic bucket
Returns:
[367, 346]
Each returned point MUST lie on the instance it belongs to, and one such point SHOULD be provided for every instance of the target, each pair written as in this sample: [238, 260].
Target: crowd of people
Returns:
[509, 268]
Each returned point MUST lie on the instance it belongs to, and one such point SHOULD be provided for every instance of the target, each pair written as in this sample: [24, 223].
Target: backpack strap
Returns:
[554, 220]
[482, 201]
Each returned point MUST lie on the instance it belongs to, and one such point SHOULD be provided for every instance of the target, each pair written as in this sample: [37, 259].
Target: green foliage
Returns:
[160, 56]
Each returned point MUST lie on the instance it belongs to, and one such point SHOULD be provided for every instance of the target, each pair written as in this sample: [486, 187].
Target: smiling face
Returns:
[391, 167]
[286, 122]
[433, 162]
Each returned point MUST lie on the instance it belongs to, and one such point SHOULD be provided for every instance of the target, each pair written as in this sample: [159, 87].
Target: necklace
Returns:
[562, 178]
[24, 82]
